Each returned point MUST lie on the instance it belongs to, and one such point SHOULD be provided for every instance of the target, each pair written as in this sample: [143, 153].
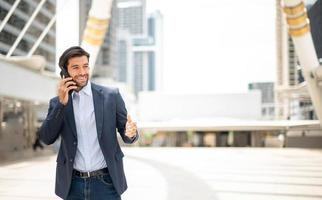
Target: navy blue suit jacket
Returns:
[110, 114]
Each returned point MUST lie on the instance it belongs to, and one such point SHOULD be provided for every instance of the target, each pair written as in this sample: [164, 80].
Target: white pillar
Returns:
[96, 27]
[159, 70]
[299, 29]
[67, 27]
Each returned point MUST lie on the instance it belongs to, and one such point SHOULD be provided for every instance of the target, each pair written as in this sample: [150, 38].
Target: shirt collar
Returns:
[85, 90]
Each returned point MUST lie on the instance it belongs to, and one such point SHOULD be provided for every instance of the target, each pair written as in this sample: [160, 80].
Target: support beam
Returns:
[1, 116]
[12, 9]
[36, 87]
[299, 29]
[41, 37]
[25, 28]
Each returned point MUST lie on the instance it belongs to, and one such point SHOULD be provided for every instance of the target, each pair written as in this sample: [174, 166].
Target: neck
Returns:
[79, 88]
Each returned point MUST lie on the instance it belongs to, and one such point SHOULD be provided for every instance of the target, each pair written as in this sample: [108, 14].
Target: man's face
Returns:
[78, 69]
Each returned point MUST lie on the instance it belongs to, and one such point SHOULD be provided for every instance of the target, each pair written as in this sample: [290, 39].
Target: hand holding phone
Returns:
[66, 87]
[65, 74]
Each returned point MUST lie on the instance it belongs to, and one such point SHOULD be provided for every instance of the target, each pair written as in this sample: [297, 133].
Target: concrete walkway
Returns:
[188, 174]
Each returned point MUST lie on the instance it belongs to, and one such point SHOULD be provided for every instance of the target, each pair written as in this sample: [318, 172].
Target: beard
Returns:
[80, 84]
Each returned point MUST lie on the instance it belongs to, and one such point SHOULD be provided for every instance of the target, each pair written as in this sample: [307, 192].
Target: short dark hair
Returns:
[75, 51]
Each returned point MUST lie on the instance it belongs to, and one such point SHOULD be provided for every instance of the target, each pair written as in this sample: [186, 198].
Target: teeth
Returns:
[81, 78]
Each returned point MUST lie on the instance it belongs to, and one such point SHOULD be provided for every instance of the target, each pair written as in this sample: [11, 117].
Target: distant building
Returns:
[132, 50]
[147, 57]
[131, 54]
[267, 94]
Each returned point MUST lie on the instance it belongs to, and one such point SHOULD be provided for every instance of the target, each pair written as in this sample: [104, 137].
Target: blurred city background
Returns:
[193, 74]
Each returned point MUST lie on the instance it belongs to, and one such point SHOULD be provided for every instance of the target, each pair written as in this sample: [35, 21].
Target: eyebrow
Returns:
[76, 65]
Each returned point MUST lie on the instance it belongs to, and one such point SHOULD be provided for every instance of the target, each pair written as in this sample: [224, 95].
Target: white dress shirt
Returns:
[89, 156]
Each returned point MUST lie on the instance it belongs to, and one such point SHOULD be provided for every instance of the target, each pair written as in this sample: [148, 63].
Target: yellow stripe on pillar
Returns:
[94, 20]
[93, 41]
[95, 31]
[295, 9]
[297, 32]
[296, 21]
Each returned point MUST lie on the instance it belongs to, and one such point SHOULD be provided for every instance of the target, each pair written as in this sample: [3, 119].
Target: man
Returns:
[86, 116]
[37, 142]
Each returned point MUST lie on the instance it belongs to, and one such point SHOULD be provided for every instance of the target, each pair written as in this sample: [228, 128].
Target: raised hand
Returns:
[131, 128]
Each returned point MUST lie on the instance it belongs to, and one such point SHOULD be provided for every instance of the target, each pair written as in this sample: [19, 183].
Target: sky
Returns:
[213, 46]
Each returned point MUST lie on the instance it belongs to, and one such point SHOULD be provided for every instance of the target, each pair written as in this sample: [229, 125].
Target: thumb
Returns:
[129, 119]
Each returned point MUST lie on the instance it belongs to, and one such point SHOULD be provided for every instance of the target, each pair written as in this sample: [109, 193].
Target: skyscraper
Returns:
[135, 45]
[132, 50]
[147, 56]
[128, 20]
[130, 25]
[267, 94]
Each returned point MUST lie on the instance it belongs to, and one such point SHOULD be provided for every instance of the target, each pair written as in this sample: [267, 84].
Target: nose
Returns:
[82, 71]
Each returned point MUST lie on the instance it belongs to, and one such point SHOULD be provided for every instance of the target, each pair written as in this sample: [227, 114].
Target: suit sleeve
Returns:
[52, 125]
[121, 119]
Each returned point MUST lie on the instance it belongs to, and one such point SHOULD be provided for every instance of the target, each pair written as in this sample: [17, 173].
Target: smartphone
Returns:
[65, 74]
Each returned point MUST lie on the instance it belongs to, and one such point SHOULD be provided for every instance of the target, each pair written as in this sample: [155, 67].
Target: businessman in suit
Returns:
[86, 116]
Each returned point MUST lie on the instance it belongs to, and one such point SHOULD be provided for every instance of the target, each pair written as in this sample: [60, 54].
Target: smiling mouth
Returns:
[81, 78]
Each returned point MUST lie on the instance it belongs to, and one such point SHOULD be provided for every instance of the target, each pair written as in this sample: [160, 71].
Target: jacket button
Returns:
[75, 143]
[71, 160]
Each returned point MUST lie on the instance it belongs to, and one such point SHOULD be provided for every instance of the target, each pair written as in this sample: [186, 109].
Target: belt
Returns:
[99, 172]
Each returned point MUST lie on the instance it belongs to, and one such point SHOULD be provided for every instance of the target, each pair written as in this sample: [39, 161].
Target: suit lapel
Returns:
[70, 116]
[98, 100]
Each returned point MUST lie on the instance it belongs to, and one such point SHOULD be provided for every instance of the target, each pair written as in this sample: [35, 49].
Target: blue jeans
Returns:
[93, 188]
